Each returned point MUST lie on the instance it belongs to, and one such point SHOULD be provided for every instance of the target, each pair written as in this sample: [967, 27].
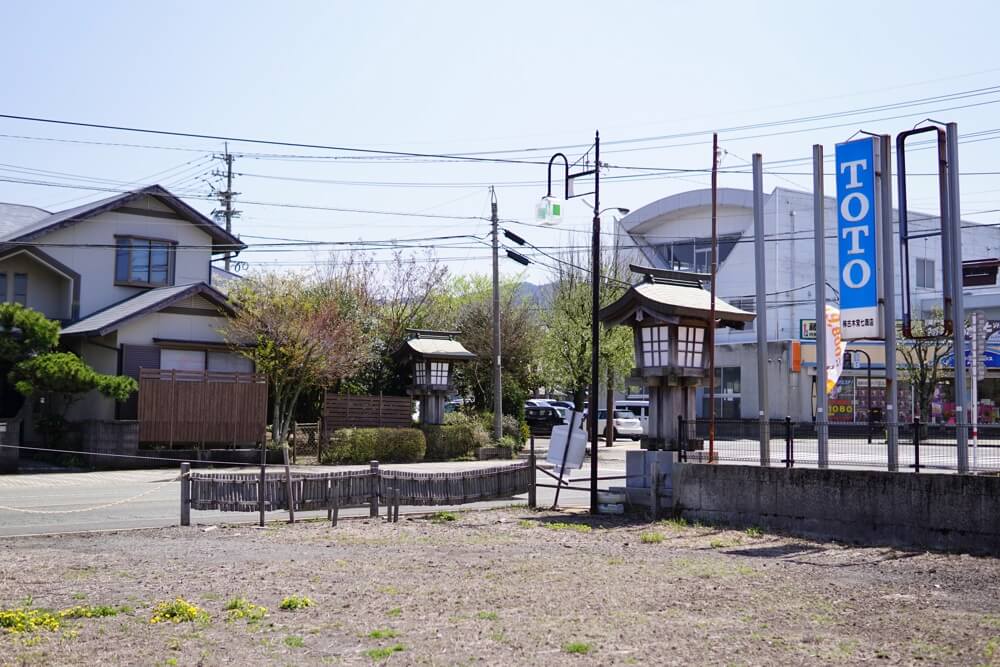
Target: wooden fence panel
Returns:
[201, 406]
[340, 411]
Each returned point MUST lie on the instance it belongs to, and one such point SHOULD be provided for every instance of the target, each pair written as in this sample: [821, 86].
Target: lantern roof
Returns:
[668, 296]
[434, 345]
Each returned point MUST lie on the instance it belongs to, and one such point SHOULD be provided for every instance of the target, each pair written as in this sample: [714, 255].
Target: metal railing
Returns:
[921, 447]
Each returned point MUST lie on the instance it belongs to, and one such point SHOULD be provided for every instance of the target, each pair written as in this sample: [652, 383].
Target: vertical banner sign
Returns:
[835, 347]
[857, 240]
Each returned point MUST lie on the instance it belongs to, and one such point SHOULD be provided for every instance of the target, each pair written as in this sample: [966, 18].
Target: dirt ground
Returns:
[510, 587]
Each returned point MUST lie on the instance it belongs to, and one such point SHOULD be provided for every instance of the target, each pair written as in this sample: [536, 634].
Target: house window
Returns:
[703, 260]
[145, 262]
[727, 394]
[439, 372]
[925, 273]
[231, 362]
[749, 305]
[655, 346]
[182, 360]
[21, 288]
[3, 286]
[690, 341]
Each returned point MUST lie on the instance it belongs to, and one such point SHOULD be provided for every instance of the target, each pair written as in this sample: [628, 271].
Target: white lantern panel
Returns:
[655, 346]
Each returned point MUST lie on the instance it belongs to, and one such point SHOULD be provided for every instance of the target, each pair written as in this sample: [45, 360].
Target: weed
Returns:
[652, 537]
[293, 602]
[294, 641]
[527, 523]
[79, 596]
[170, 661]
[576, 527]
[616, 560]
[992, 648]
[754, 532]
[444, 517]
[28, 620]
[383, 652]
[389, 590]
[394, 612]
[238, 608]
[487, 616]
[93, 611]
[178, 611]
[719, 543]
[388, 633]
[577, 648]
[676, 523]
[498, 637]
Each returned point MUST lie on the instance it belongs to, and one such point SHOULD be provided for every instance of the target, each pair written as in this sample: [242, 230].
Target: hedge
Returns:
[387, 445]
[458, 438]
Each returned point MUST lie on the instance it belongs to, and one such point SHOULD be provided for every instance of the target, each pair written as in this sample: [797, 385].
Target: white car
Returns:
[625, 424]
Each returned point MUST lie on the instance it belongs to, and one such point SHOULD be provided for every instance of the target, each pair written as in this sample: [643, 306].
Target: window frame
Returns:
[691, 346]
[120, 244]
[655, 349]
[23, 278]
[925, 268]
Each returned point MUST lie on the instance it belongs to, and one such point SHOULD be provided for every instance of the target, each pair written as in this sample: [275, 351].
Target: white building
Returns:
[129, 277]
[675, 232]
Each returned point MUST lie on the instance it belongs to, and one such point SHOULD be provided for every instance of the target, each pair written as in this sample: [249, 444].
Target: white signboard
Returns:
[835, 347]
[577, 445]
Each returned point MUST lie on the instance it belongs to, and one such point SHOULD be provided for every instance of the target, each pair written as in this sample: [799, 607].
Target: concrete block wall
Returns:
[951, 512]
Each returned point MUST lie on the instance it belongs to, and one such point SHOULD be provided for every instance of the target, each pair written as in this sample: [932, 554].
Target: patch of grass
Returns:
[444, 517]
[21, 620]
[388, 633]
[79, 596]
[651, 537]
[242, 608]
[527, 523]
[389, 590]
[676, 523]
[383, 652]
[394, 612]
[178, 611]
[575, 527]
[719, 543]
[754, 532]
[992, 648]
[93, 611]
[487, 616]
[578, 648]
[293, 602]
[294, 641]
[616, 560]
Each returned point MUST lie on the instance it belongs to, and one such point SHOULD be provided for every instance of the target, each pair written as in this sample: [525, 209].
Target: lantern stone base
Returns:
[639, 466]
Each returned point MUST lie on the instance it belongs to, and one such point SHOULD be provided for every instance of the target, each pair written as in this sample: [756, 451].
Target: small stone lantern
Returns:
[430, 357]
[669, 312]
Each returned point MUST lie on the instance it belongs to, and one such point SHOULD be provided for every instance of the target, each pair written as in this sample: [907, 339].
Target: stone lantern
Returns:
[430, 358]
[669, 312]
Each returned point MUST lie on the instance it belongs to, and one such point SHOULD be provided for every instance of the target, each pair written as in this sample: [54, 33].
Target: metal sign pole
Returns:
[819, 215]
[763, 410]
[974, 399]
[957, 302]
[889, 302]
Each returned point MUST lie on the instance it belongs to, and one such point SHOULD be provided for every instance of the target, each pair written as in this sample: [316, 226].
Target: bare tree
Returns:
[922, 360]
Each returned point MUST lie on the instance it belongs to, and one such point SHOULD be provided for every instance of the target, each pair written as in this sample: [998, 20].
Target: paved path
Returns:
[115, 500]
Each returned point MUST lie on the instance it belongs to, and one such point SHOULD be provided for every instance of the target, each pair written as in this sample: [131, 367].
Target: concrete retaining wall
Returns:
[953, 512]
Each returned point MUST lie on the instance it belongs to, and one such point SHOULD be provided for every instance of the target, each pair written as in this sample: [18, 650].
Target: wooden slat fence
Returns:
[343, 411]
[238, 492]
[201, 406]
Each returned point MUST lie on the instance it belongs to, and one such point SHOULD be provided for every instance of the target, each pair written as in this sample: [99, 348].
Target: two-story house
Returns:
[130, 278]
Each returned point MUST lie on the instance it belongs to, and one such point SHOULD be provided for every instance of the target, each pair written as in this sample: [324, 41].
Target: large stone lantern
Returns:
[669, 312]
[430, 358]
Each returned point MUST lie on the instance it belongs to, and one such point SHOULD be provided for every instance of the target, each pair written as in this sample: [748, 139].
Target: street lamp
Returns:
[595, 292]
[868, 360]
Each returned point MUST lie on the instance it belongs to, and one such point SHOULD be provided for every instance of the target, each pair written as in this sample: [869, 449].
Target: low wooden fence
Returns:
[267, 491]
[201, 406]
[344, 411]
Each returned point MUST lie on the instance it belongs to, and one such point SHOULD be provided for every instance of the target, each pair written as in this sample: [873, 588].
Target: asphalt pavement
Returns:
[34, 504]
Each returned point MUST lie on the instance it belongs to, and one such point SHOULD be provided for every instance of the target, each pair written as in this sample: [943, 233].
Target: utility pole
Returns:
[711, 312]
[595, 324]
[497, 380]
[226, 199]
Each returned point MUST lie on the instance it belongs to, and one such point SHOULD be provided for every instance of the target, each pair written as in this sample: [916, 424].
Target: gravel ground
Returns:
[504, 587]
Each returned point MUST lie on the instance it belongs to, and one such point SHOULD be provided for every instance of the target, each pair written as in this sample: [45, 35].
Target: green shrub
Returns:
[459, 436]
[388, 445]
[510, 427]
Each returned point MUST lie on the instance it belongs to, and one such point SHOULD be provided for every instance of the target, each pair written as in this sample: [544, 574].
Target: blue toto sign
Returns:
[857, 240]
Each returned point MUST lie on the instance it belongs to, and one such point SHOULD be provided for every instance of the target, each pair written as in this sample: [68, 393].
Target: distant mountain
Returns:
[537, 294]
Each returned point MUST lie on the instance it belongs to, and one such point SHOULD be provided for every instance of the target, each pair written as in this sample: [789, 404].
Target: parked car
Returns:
[569, 405]
[637, 407]
[452, 406]
[537, 403]
[624, 423]
[541, 418]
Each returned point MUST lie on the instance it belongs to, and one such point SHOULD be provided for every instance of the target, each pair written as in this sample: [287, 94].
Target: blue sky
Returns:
[445, 77]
